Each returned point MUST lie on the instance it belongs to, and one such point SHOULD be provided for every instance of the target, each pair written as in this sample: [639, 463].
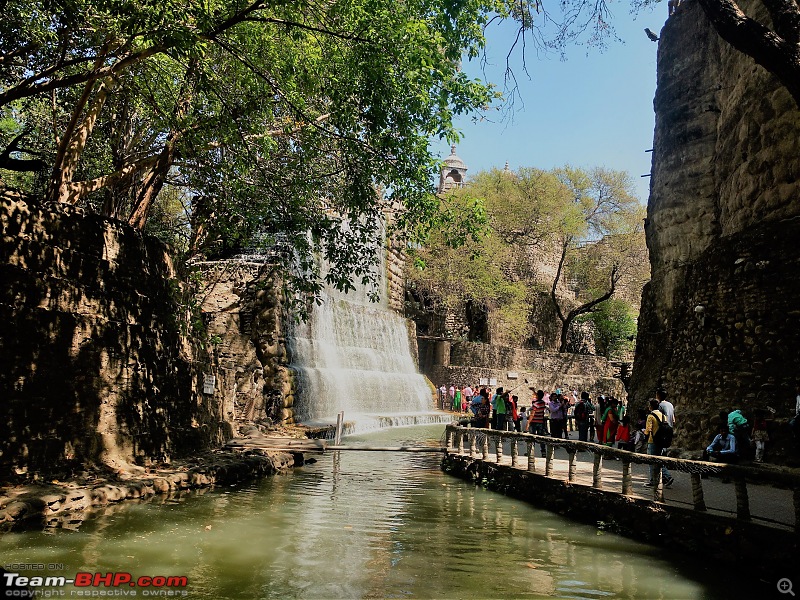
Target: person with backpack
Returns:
[657, 442]
[536, 424]
[581, 414]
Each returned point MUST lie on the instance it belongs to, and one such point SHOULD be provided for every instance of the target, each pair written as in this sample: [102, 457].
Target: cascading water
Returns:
[353, 355]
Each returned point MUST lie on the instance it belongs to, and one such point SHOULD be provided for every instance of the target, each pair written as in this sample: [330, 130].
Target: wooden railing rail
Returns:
[456, 436]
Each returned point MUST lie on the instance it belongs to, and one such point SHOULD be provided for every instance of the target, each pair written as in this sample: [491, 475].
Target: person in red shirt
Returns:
[536, 423]
[515, 412]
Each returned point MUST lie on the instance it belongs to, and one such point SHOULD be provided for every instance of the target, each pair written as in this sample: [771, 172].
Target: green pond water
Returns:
[361, 525]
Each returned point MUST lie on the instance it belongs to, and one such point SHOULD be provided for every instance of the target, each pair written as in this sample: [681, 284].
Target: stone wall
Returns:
[96, 366]
[395, 276]
[244, 310]
[445, 362]
[759, 554]
[720, 231]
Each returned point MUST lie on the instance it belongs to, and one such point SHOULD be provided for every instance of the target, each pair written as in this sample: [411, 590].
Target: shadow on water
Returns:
[372, 525]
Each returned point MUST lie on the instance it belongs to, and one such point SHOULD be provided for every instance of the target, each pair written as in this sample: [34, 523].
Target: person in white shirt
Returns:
[666, 407]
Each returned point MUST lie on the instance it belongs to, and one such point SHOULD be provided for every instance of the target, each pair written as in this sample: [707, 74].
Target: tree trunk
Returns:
[587, 307]
[158, 174]
[153, 183]
[74, 141]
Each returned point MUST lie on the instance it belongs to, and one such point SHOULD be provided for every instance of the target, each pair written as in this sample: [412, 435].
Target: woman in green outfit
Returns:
[457, 401]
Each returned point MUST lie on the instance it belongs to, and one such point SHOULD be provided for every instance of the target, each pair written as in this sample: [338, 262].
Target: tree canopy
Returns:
[297, 121]
[573, 235]
[281, 118]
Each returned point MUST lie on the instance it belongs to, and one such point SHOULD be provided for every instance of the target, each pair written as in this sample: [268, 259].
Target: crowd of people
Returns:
[605, 420]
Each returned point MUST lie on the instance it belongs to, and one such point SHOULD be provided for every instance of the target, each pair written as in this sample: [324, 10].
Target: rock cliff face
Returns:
[96, 366]
[720, 319]
[244, 310]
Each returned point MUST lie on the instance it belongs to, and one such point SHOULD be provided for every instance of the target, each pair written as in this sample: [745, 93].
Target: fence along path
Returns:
[754, 493]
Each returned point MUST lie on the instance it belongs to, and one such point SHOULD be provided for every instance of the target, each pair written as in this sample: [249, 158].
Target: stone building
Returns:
[454, 172]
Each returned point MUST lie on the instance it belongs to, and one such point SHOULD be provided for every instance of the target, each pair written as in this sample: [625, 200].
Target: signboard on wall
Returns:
[483, 381]
[209, 384]
[512, 375]
[493, 381]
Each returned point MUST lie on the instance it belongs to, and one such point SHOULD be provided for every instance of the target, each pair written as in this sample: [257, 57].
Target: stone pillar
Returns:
[441, 354]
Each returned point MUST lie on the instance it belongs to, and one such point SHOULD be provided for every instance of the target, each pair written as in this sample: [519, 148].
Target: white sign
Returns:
[512, 375]
[209, 383]
[484, 381]
[493, 381]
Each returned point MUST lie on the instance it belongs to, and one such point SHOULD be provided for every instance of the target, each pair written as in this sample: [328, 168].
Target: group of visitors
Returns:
[605, 420]
[736, 437]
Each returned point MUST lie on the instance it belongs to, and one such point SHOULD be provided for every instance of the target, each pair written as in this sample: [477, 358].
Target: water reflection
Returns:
[362, 525]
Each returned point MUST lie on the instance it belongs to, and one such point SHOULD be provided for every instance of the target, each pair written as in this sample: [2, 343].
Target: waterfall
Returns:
[353, 355]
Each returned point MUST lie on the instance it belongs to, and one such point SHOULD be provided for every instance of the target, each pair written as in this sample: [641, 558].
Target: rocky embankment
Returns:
[52, 500]
[68, 504]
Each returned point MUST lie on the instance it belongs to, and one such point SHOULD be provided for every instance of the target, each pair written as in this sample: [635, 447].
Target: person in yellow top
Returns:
[654, 420]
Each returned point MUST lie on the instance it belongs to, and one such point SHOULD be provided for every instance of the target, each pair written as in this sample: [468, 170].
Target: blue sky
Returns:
[593, 109]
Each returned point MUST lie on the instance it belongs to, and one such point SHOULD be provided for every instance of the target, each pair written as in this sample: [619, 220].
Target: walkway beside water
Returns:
[750, 522]
[768, 504]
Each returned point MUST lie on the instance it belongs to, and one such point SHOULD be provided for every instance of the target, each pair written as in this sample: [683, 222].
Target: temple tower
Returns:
[453, 173]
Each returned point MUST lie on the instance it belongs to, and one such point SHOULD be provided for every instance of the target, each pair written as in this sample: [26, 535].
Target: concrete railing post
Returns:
[461, 435]
[597, 472]
[627, 483]
[532, 458]
[548, 465]
[514, 451]
[573, 467]
[337, 438]
[658, 488]
[472, 441]
[498, 448]
[698, 499]
[742, 500]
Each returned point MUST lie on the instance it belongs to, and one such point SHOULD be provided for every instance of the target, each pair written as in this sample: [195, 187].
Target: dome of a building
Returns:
[453, 173]
[454, 161]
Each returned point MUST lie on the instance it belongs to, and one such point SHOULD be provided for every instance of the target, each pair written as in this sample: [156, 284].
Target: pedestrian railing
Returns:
[477, 443]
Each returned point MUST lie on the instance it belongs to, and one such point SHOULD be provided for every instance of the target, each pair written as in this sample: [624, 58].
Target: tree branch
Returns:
[785, 16]
[562, 260]
[79, 189]
[336, 34]
[17, 164]
[778, 55]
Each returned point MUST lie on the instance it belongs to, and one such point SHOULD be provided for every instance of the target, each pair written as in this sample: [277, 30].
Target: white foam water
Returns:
[353, 355]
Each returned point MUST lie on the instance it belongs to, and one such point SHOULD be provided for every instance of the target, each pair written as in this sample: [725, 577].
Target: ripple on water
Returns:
[363, 525]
